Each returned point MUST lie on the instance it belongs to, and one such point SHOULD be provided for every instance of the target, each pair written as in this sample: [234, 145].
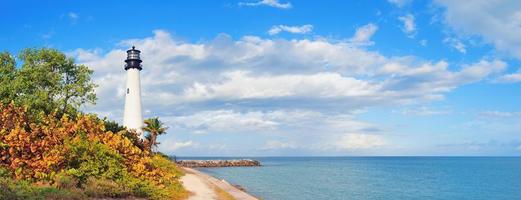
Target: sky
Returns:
[298, 78]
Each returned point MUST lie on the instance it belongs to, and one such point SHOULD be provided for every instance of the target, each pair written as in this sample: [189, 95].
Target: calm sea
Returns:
[378, 177]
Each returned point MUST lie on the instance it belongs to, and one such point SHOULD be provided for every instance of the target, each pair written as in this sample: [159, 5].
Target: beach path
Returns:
[199, 188]
[205, 187]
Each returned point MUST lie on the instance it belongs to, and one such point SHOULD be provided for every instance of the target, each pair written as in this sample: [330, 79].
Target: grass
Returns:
[23, 190]
[222, 195]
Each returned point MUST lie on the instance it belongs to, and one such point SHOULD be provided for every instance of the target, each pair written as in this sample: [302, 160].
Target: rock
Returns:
[218, 163]
[240, 188]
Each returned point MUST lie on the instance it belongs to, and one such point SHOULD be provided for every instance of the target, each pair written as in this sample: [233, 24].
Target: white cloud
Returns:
[496, 22]
[483, 146]
[291, 29]
[171, 145]
[409, 26]
[242, 85]
[307, 129]
[73, 15]
[306, 89]
[436, 79]
[500, 114]
[495, 122]
[354, 141]
[272, 3]
[482, 69]
[510, 78]
[252, 68]
[225, 120]
[48, 35]
[275, 145]
[233, 121]
[425, 111]
[399, 3]
[363, 34]
[456, 44]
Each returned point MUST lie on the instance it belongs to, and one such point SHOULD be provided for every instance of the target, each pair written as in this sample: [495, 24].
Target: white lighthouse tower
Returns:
[133, 118]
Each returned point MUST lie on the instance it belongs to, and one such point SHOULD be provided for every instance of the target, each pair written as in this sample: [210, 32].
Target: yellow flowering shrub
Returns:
[82, 148]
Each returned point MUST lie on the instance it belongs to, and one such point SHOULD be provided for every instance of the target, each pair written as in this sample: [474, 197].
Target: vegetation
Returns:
[45, 81]
[50, 150]
[154, 127]
[222, 195]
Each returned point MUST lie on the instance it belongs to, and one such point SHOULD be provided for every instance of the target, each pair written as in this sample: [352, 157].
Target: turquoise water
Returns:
[379, 178]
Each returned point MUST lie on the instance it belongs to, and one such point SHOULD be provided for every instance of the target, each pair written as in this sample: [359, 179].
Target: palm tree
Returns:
[154, 127]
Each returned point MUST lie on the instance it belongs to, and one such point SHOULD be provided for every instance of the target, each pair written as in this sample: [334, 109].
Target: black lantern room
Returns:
[133, 60]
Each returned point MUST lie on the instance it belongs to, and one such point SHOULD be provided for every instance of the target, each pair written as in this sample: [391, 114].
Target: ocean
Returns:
[288, 178]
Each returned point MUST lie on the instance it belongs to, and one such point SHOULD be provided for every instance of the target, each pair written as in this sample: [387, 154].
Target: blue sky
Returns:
[292, 78]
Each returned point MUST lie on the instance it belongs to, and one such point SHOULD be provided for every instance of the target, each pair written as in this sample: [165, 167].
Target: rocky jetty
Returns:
[218, 163]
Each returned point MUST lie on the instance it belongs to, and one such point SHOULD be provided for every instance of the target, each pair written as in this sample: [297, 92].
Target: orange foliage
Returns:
[36, 151]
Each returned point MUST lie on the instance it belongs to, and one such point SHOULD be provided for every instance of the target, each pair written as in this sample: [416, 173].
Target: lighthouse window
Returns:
[128, 90]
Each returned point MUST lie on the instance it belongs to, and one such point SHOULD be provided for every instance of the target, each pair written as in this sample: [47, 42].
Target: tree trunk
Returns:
[153, 137]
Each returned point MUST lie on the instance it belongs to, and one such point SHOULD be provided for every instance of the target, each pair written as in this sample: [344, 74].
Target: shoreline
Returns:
[194, 178]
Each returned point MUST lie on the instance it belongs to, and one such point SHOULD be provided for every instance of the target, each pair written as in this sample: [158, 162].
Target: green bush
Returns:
[147, 189]
[93, 159]
[65, 181]
[142, 188]
[138, 187]
[5, 173]
[25, 190]
[18, 189]
[104, 188]
[112, 126]
[65, 194]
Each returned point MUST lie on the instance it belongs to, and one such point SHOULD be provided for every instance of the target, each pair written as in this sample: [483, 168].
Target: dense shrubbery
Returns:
[50, 150]
[77, 157]
[25, 190]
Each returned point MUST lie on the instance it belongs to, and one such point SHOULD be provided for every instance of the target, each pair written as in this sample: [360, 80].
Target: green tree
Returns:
[7, 75]
[154, 127]
[113, 126]
[47, 80]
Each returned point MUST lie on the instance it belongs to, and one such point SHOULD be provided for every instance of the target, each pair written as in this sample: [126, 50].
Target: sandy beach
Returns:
[206, 187]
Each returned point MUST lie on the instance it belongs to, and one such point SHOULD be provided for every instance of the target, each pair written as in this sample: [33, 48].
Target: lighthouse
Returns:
[133, 117]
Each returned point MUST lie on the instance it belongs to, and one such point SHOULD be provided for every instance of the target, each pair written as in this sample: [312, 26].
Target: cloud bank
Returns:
[300, 88]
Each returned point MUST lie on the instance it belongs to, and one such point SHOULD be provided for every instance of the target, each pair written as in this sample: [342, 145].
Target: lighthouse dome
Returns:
[133, 59]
